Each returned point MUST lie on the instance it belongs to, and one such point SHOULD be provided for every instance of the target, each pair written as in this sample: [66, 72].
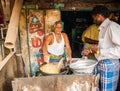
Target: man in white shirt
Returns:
[55, 43]
[108, 49]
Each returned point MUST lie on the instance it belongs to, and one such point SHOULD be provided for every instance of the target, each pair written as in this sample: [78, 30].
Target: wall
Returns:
[8, 72]
[57, 83]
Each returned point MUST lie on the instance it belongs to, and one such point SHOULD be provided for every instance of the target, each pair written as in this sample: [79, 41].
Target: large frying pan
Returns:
[63, 72]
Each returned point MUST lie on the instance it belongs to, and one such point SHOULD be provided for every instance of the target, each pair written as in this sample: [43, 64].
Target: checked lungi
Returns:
[109, 74]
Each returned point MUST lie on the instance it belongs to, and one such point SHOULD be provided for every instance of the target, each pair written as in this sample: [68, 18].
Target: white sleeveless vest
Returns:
[56, 48]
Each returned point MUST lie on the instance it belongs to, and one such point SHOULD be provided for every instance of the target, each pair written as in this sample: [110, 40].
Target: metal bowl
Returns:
[83, 66]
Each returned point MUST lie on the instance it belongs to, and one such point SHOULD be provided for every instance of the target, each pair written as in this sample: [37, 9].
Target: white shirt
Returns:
[56, 48]
[109, 40]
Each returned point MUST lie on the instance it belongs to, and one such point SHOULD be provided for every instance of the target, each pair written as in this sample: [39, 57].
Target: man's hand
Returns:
[85, 52]
[46, 58]
[94, 48]
[69, 59]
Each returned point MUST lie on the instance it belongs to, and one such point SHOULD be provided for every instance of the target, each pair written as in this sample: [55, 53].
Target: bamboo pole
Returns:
[12, 31]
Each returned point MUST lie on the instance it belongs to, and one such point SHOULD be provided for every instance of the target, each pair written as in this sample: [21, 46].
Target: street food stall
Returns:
[33, 21]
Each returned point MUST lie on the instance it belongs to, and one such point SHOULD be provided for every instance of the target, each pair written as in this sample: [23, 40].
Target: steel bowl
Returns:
[83, 66]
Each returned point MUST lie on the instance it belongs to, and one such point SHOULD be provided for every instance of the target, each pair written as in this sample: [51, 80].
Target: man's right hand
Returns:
[85, 52]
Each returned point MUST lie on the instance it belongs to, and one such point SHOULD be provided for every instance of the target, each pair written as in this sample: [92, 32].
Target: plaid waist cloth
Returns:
[109, 74]
[55, 58]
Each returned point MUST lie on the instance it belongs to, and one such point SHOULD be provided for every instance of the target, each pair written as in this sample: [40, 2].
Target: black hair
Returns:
[99, 9]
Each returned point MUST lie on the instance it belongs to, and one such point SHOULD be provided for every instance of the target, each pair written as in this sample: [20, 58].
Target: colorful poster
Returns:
[36, 35]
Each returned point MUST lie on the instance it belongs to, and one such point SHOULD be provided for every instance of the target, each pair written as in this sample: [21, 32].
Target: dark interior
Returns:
[77, 21]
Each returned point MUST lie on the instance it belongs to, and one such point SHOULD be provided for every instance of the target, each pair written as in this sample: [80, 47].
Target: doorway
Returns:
[75, 22]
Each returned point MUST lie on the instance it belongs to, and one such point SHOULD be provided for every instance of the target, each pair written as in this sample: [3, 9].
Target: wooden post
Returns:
[13, 25]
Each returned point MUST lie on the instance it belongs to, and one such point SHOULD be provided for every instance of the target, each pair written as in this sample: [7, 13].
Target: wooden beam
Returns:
[13, 25]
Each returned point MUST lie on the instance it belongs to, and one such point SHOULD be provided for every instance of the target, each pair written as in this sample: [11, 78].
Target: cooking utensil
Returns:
[83, 66]
[61, 64]
[63, 71]
[48, 74]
